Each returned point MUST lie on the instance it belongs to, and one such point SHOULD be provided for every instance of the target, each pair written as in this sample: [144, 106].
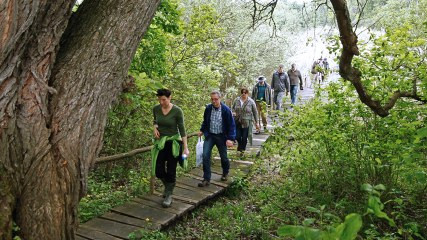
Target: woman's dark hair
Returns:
[163, 92]
[244, 89]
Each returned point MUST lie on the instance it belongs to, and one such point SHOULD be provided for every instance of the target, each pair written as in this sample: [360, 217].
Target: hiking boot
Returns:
[204, 183]
[167, 202]
[224, 177]
[241, 153]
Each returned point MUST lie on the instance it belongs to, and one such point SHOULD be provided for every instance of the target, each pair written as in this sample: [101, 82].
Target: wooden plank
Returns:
[177, 204]
[243, 162]
[183, 199]
[131, 221]
[145, 213]
[89, 233]
[235, 164]
[193, 182]
[215, 178]
[197, 189]
[77, 237]
[233, 170]
[157, 205]
[199, 172]
[197, 196]
[196, 176]
[115, 229]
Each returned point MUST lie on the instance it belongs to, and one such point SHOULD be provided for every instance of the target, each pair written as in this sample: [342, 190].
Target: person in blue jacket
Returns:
[219, 129]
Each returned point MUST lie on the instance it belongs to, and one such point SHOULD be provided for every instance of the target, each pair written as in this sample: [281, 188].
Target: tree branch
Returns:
[262, 13]
[347, 71]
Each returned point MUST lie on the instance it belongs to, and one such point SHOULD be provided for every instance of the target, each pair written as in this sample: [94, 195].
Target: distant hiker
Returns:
[261, 93]
[244, 110]
[295, 79]
[219, 129]
[170, 142]
[325, 64]
[315, 70]
[280, 85]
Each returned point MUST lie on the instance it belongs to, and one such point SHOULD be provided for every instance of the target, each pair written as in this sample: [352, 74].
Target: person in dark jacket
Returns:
[295, 79]
[219, 129]
[280, 85]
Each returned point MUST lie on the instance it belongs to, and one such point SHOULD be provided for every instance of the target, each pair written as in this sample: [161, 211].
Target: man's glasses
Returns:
[244, 92]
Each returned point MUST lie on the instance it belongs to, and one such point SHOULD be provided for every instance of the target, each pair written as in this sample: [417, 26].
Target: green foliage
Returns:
[108, 188]
[345, 231]
[375, 206]
[321, 155]
[15, 231]
[147, 235]
[239, 186]
[223, 220]
[393, 63]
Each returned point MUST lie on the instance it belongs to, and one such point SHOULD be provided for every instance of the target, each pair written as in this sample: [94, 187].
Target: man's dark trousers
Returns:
[210, 142]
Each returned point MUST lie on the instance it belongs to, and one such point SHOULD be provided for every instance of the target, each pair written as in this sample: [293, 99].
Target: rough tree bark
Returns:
[54, 98]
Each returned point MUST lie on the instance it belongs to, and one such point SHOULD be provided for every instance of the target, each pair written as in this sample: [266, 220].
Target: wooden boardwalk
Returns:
[147, 213]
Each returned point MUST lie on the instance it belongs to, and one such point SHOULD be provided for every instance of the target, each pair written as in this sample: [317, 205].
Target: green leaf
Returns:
[289, 230]
[367, 187]
[300, 232]
[380, 187]
[308, 221]
[422, 132]
[349, 228]
[312, 209]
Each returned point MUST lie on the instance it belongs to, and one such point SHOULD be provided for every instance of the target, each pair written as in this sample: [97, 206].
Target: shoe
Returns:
[241, 153]
[224, 177]
[204, 183]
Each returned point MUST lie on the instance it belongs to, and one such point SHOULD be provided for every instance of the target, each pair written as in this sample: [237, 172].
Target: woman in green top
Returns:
[170, 141]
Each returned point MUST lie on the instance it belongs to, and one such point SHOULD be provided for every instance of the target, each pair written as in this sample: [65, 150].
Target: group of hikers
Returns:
[221, 126]
[319, 69]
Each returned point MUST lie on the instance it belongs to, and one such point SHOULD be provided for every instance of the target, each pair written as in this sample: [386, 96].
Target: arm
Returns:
[272, 82]
[233, 108]
[269, 95]
[287, 82]
[255, 113]
[204, 123]
[182, 132]
[254, 92]
[180, 123]
[232, 128]
[185, 146]
[300, 79]
[156, 132]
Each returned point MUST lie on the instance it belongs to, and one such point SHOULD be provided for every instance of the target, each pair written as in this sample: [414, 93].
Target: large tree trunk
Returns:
[54, 98]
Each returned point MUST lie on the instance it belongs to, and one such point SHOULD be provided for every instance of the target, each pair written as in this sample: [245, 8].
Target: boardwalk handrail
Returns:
[130, 153]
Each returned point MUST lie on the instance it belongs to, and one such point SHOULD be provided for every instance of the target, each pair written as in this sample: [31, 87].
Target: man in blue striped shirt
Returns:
[219, 130]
